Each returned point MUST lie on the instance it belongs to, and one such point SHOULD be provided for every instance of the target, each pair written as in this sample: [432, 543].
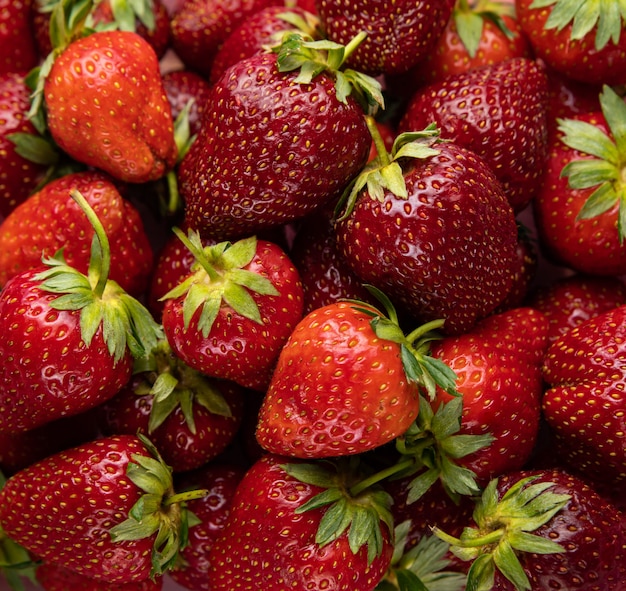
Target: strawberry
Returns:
[220, 480]
[18, 52]
[105, 509]
[500, 113]
[583, 40]
[50, 220]
[290, 152]
[233, 313]
[294, 525]
[398, 35]
[346, 382]
[584, 401]
[190, 419]
[69, 339]
[53, 577]
[430, 224]
[579, 211]
[199, 27]
[544, 529]
[182, 86]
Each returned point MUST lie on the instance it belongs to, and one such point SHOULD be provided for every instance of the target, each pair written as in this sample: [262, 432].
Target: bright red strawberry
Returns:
[578, 211]
[293, 150]
[212, 511]
[279, 536]
[18, 52]
[53, 577]
[584, 402]
[500, 113]
[584, 40]
[543, 529]
[182, 86]
[68, 339]
[346, 382]
[199, 27]
[439, 236]
[50, 219]
[570, 301]
[399, 34]
[190, 418]
[96, 509]
[233, 313]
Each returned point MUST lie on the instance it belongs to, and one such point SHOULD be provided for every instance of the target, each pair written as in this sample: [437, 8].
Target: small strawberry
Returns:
[233, 313]
[18, 52]
[105, 509]
[182, 86]
[54, 577]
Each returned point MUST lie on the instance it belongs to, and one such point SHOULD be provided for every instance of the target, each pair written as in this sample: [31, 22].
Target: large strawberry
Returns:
[68, 339]
[53, 577]
[295, 525]
[293, 149]
[105, 509]
[431, 225]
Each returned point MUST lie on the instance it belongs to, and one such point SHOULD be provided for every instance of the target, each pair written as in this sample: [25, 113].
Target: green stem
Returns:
[420, 331]
[381, 149]
[380, 476]
[173, 202]
[183, 497]
[198, 254]
[353, 44]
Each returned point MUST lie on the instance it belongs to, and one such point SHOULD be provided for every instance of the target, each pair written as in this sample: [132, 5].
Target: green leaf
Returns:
[589, 139]
[240, 300]
[509, 565]
[469, 26]
[614, 111]
[583, 174]
[600, 201]
[34, 148]
[480, 576]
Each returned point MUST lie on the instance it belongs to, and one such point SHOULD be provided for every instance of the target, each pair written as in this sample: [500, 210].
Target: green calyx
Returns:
[384, 173]
[158, 511]
[434, 442]
[219, 277]
[606, 171]
[126, 15]
[298, 51]
[608, 18]
[469, 19]
[503, 529]
[422, 568]
[125, 322]
[174, 384]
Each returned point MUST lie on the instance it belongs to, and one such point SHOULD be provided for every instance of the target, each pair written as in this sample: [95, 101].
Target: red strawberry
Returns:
[96, 510]
[399, 34]
[346, 382]
[584, 402]
[579, 209]
[50, 220]
[182, 86]
[233, 313]
[68, 339]
[278, 536]
[293, 149]
[543, 529]
[436, 231]
[53, 577]
[199, 27]
[500, 113]
[583, 40]
[18, 52]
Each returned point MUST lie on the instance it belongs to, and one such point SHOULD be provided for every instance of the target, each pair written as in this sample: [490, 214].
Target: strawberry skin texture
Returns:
[337, 388]
[293, 149]
[62, 508]
[111, 80]
[48, 372]
[584, 403]
[447, 251]
[18, 52]
[266, 545]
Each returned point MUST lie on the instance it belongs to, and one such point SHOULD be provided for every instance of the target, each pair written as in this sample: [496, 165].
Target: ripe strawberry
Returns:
[294, 525]
[53, 577]
[346, 382]
[18, 52]
[212, 511]
[68, 339]
[191, 419]
[543, 529]
[182, 86]
[500, 113]
[50, 220]
[399, 34]
[584, 402]
[199, 27]
[233, 313]
[578, 212]
[96, 509]
[583, 40]
[290, 152]
[436, 231]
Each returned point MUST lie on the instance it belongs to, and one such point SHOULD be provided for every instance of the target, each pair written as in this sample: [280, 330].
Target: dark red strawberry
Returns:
[50, 220]
[500, 113]
[307, 515]
[18, 52]
[53, 577]
[232, 314]
[105, 509]
[182, 86]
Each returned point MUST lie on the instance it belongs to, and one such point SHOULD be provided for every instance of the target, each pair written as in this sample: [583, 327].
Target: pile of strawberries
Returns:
[332, 303]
